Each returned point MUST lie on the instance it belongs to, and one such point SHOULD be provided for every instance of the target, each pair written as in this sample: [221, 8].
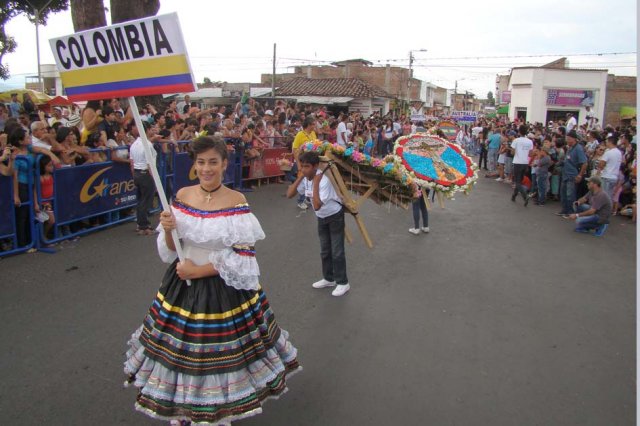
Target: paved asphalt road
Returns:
[500, 316]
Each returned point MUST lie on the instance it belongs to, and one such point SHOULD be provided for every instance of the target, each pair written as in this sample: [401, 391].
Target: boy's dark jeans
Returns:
[331, 233]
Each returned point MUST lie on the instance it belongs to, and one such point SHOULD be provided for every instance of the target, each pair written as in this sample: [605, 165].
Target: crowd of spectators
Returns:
[99, 132]
[564, 157]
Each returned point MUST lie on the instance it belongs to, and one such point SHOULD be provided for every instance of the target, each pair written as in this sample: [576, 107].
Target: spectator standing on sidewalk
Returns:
[142, 179]
[609, 166]
[520, 147]
[307, 134]
[573, 171]
[542, 175]
[493, 147]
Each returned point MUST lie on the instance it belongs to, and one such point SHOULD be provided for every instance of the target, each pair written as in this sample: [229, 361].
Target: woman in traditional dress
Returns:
[210, 352]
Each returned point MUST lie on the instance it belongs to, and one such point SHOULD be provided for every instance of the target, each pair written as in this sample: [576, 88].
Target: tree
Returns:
[126, 10]
[491, 99]
[207, 81]
[11, 9]
[87, 14]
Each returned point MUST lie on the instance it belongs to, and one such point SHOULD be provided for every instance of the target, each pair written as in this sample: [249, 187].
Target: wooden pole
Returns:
[425, 198]
[154, 173]
[440, 198]
[349, 203]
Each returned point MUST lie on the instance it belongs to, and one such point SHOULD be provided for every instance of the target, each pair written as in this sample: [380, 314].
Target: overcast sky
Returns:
[233, 41]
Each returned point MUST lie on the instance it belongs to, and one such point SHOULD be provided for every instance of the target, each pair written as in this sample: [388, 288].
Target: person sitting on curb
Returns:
[593, 210]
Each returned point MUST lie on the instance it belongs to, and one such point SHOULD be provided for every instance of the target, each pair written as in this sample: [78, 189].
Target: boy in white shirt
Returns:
[327, 205]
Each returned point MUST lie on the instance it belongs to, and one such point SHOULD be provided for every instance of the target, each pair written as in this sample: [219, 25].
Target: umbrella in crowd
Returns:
[59, 101]
[37, 97]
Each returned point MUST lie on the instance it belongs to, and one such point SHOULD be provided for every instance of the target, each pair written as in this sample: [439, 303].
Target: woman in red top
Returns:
[46, 193]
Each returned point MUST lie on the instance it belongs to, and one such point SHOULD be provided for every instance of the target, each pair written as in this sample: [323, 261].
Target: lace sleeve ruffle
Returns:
[166, 255]
[238, 267]
[228, 229]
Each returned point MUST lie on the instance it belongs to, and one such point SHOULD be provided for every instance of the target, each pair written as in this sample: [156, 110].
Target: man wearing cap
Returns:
[573, 171]
[14, 106]
[593, 210]
[58, 118]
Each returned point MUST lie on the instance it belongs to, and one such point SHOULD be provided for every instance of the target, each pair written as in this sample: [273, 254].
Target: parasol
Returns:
[37, 97]
[449, 129]
[60, 101]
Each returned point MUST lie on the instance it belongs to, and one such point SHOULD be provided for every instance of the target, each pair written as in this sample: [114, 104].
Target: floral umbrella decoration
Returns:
[436, 163]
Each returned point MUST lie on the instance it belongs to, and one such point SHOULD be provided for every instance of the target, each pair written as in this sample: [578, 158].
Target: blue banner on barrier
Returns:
[6, 205]
[184, 171]
[93, 189]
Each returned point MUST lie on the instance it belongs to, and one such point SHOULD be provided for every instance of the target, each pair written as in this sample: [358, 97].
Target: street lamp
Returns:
[411, 73]
[36, 18]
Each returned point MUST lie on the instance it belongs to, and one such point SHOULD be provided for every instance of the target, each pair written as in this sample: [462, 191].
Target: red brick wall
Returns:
[621, 91]
[375, 76]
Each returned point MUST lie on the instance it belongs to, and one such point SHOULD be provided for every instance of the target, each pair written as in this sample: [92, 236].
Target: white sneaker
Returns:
[340, 290]
[323, 283]
[414, 231]
[499, 180]
[303, 205]
[425, 229]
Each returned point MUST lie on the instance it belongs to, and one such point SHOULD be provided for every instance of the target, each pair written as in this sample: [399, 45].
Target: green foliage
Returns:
[11, 9]
[491, 99]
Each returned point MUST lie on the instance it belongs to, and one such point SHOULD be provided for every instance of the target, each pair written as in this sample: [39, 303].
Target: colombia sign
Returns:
[135, 58]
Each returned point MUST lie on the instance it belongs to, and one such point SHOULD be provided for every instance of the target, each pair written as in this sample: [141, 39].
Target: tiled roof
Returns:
[351, 87]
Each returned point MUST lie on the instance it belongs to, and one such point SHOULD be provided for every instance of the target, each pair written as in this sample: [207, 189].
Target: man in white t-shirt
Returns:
[589, 116]
[571, 122]
[57, 117]
[328, 208]
[520, 148]
[342, 137]
[609, 165]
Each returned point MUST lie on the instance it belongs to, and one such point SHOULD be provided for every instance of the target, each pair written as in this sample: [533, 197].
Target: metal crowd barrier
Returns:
[103, 193]
[8, 224]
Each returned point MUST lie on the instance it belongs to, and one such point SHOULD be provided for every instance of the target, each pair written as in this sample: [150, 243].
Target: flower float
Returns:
[393, 181]
[435, 163]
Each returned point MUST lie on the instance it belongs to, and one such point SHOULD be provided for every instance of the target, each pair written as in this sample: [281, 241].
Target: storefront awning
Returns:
[627, 112]
[503, 110]
[322, 100]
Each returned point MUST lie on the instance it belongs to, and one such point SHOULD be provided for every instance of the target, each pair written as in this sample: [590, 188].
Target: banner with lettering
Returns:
[90, 190]
[267, 165]
[570, 97]
[135, 58]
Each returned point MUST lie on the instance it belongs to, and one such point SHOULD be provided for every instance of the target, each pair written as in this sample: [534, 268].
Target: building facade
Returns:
[620, 102]
[550, 92]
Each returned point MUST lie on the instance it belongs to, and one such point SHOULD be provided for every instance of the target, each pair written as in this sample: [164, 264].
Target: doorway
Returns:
[521, 114]
[560, 115]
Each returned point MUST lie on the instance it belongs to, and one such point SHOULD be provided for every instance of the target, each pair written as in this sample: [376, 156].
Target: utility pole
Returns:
[411, 73]
[273, 79]
[36, 15]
